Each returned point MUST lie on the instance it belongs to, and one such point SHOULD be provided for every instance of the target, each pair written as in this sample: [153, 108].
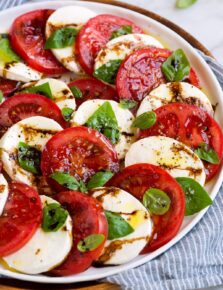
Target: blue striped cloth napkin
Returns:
[194, 262]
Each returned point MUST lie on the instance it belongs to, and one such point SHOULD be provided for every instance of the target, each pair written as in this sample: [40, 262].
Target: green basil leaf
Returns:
[156, 201]
[62, 38]
[207, 154]
[91, 242]
[43, 89]
[1, 96]
[76, 92]
[108, 71]
[104, 120]
[185, 3]
[123, 30]
[67, 113]
[54, 217]
[99, 179]
[68, 181]
[7, 55]
[145, 120]
[176, 67]
[117, 226]
[29, 158]
[127, 104]
[196, 196]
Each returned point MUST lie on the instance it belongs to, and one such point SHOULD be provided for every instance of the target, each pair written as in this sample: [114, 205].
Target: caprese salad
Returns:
[107, 141]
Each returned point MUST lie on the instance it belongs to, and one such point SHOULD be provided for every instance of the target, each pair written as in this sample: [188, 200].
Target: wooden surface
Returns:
[11, 284]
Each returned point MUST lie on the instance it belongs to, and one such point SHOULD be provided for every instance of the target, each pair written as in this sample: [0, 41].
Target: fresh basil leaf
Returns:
[108, 71]
[76, 92]
[185, 3]
[67, 113]
[7, 55]
[207, 154]
[117, 226]
[62, 38]
[123, 30]
[104, 120]
[29, 158]
[99, 179]
[68, 181]
[54, 217]
[145, 120]
[156, 201]
[176, 67]
[127, 104]
[196, 196]
[43, 89]
[90, 243]
[1, 96]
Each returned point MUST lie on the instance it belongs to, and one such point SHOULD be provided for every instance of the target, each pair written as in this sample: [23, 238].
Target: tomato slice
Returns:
[193, 78]
[191, 126]
[95, 34]
[93, 89]
[79, 151]
[138, 178]
[21, 217]
[7, 86]
[88, 218]
[141, 72]
[27, 38]
[22, 106]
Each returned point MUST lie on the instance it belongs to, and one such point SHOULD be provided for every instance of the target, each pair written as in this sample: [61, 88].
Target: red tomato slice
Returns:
[138, 178]
[79, 151]
[141, 72]
[94, 89]
[22, 106]
[27, 38]
[95, 34]
[7, 86]
[21, 217]
[193, 78]
[88, 218]
[191, 126]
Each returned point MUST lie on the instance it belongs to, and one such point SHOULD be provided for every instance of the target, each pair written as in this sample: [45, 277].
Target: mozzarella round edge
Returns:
[4, 192]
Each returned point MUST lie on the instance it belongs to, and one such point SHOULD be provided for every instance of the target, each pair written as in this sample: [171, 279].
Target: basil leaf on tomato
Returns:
[1, 96]
[67, 113]
[104, 120]
[43, 89]
[196, 196]
[156, 201]
[176, 67]
[123, 30]
[7, 55]
[208, 154]
[145, 120]
[29, 158]
[185, 3]
[76, 92]
[127, 104]
[117, 226]
[54, 217]
[90, 243]
[99, 179]
[61, 38]
[108, 71]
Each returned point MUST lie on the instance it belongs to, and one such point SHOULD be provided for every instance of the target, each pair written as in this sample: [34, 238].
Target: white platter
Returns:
[208, 82]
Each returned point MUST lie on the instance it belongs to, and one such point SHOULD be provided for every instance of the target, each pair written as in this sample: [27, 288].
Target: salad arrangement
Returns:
[107, 141]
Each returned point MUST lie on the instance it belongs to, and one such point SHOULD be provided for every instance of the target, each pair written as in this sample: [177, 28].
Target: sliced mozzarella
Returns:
[34, 131]
[175, 92]
[68, 16]
[124, 249]
[121, 47]
[62, 94]
[124, 118]
[173, 156]
[4, 192]
[45, 250]
[18, 71]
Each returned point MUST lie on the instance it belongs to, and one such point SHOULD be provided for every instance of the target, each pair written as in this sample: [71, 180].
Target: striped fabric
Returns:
[194, 262]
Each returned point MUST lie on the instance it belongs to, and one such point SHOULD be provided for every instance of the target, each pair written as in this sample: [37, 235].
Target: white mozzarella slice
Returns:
[124, 118]
[173, 156]
[175, 92]
[122, 46]
[4, 192]
[19, 71]
[119, 201]
[34, 131]
[45, 250]
[68, 16]
[62, 94]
